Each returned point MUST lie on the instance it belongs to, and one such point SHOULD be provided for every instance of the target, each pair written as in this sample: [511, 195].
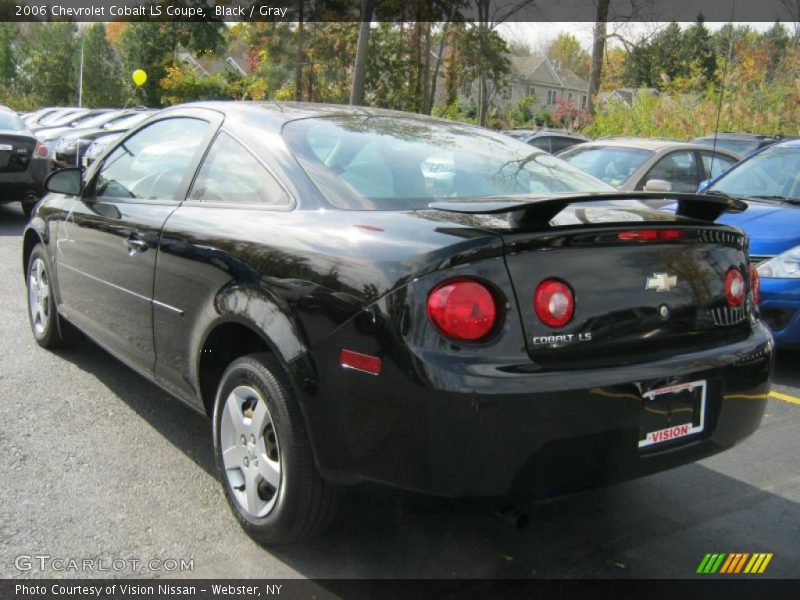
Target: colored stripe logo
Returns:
[735, 562]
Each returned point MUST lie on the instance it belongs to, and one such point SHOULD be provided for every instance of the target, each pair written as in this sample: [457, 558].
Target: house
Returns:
[626, 96]
[538, 77]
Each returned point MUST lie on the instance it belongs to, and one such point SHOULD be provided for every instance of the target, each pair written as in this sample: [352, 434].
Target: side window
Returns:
[679, 169]
[152, 164]
[715, 164]
[231, 174]
[542, 143]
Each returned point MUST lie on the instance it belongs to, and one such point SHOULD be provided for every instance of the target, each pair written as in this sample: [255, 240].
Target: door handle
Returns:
[136, 245]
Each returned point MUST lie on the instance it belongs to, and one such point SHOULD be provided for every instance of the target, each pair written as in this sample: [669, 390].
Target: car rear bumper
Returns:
[15, 186]
[491, 431]
[780, 309]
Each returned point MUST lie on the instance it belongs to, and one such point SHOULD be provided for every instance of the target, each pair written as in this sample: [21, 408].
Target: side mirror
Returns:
[65, 181]
[703, 185]
[658, 185]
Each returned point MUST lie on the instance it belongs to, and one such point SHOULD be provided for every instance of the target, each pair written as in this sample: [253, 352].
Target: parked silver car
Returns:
[650, 164]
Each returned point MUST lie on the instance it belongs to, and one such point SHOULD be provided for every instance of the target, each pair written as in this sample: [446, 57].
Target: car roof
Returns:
[279, 113]
[654, 144]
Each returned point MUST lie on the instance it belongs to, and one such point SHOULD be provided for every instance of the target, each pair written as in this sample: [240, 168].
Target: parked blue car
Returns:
[769, 180]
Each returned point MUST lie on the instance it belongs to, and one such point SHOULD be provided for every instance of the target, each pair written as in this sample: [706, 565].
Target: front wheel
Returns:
[42, 312]
[264, 457]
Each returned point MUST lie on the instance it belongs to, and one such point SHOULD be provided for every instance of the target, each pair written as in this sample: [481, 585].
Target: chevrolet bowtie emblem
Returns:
[661, 282]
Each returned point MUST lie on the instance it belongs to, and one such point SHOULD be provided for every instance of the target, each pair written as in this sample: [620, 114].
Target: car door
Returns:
[714, 164]
[107, 246]
[207, 246]
[678, 168]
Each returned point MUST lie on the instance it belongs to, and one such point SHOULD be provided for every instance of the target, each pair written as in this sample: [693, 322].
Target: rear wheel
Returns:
[45, 324]
[264, 456]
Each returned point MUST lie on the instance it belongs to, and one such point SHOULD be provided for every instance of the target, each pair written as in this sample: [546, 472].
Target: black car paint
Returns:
[450, 419]
[22, 173]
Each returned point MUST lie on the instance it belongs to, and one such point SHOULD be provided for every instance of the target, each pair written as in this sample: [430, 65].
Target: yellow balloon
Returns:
[139, 77]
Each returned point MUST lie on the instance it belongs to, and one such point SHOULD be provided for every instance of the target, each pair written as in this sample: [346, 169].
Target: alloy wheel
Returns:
[250, 452]
[39, 296]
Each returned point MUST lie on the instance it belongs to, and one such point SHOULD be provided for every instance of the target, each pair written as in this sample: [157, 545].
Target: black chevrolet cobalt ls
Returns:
[362, 296]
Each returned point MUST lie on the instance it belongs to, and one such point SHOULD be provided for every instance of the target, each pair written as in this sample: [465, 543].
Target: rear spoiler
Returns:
[542, 210]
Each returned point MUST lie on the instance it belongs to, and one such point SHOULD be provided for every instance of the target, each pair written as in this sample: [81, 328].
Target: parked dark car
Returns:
[741, 143]
[23, 163]
[288, 270]
[549, 140]
[72, 145]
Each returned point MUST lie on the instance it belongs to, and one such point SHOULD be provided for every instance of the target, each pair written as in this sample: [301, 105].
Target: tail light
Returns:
[40, 151]
[755, 284]
[650, 235]
[462, 309]
[734, 287]
[554, 303]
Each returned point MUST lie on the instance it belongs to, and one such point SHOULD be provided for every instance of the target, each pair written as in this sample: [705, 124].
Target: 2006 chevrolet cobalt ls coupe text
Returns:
[516, 330]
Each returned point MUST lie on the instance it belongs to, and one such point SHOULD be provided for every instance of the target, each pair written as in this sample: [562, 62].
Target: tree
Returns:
[153, 47]
[598, 48]
[567, 52]
[102, 81]
[8, 69]
[51, 65]
[700, 51]
[360, 67]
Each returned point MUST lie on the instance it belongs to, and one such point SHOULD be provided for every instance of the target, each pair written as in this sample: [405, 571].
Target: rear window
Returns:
[612, 164]
[390, 163]
[11, 122]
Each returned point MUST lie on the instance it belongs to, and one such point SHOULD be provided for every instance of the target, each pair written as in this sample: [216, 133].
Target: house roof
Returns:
[529, 69]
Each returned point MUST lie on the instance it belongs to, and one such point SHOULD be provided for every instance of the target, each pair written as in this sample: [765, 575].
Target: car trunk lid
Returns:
[644, 282]
[16, 151]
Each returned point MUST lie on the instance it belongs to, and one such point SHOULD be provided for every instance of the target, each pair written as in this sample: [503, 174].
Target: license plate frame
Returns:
[697, 390]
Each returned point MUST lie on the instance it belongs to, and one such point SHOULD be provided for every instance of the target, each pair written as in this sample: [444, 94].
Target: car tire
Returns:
[28, 204]
[264, 457]
[49, 330]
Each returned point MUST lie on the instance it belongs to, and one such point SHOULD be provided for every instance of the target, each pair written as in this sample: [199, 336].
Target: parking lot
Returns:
[99, 463]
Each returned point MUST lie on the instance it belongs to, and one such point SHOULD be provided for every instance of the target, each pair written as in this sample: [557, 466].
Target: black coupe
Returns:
[363, 296]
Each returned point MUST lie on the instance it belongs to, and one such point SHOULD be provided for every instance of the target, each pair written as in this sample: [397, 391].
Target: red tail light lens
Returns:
[462, 309]
[554, 303]
[734, 287]
[650, 235]
[41, 150]
[755, 284]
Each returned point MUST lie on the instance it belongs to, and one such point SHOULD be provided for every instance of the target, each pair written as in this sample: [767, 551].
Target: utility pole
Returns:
[80, 78]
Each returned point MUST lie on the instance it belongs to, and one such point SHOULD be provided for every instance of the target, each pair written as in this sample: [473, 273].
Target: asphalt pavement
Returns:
[99, 464]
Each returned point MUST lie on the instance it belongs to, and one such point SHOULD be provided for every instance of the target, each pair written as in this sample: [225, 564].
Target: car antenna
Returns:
[728, 57]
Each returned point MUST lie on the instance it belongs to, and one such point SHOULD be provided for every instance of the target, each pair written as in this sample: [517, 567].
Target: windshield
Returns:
[612, 164]
[391, 163]
[772, 173]
[11, 122]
